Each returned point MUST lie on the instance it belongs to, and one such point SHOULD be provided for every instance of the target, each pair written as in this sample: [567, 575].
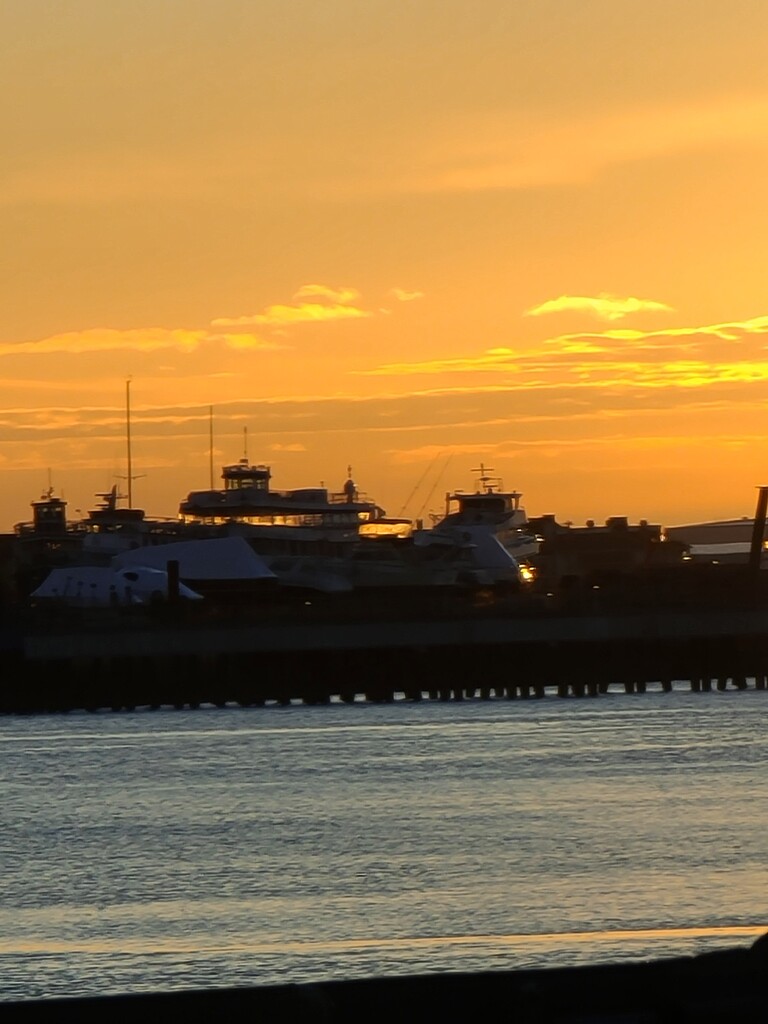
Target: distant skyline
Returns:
[408, 237]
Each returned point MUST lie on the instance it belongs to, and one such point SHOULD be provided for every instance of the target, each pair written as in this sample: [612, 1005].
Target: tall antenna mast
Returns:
[128, 439]
[210, 443]
[484, 480]
[245, 443]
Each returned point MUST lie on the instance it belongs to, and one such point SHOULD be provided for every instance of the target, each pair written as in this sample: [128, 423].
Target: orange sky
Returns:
[407, 235]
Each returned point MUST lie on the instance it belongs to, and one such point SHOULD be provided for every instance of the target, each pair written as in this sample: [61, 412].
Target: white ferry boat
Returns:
[489, 505]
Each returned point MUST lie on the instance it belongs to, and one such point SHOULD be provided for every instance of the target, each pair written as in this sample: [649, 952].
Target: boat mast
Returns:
[484, 479]
[210, 445]
[128, 439]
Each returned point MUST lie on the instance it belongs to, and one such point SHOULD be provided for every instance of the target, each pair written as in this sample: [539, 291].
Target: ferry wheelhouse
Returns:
[307, 513]
[491, 506]
[107, 530]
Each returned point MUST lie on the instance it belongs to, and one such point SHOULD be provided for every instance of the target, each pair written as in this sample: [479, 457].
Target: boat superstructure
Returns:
[49, 538]
[110, 529]
[313, 538]
[107, 530]
[246, 499]
[308, 538]
[493, 507]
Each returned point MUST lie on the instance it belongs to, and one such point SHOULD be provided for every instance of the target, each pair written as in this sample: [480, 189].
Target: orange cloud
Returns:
[505, 151]
[681, 357]
[149, 339]
[333, 304]
[491, 359]
[402, 295]
[604, 306]
[340, 296]
[303, 313]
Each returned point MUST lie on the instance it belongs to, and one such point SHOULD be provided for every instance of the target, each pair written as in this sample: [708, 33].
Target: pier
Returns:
[176, 659]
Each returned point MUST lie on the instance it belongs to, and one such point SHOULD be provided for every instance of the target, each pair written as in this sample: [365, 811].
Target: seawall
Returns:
[113, 661]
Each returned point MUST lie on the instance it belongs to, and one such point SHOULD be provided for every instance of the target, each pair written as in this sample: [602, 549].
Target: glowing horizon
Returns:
[519, 247]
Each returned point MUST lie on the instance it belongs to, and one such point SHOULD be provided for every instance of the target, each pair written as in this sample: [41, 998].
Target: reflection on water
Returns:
[228, 846]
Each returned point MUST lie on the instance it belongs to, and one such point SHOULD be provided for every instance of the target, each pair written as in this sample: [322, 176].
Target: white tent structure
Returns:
[96, 586]
[220, 559]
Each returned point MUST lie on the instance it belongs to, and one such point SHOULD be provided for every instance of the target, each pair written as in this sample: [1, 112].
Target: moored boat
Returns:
[492, 507]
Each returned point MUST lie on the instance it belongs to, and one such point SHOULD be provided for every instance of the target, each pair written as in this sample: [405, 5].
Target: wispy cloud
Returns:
[603, 306]
[341, 296]
[491, 359]
[149, 339]
[475, 421]
[403, 295]
[505, 151]
[301, 313]
[676, 357]
[731, 331]
[331, 304]
[556, 445]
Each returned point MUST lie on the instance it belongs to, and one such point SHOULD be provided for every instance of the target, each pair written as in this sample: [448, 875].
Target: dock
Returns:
[176, 658]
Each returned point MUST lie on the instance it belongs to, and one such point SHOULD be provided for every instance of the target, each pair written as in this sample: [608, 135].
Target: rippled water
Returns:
[219, 847]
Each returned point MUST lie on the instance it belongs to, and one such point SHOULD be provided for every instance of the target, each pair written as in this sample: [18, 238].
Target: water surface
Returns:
[157, 850]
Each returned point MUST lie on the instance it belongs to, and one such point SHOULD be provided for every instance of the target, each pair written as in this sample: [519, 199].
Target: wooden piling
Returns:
[758, 531]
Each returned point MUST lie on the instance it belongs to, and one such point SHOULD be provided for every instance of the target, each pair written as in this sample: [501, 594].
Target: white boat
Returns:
[247, 536]
[494, 508]
[480, 556]
[309, 537]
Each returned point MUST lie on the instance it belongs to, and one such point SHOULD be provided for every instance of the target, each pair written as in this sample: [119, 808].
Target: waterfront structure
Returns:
[721, 541]
[491, 506]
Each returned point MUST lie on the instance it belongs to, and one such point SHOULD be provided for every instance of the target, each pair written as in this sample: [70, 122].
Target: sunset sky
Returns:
[404, 235]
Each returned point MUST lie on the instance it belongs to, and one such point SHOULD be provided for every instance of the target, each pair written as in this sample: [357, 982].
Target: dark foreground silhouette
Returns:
[725, 986]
